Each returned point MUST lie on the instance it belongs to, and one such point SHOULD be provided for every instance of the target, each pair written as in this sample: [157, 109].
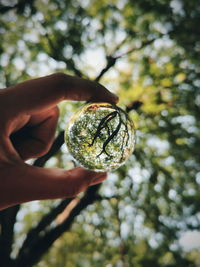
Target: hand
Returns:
[29, 114]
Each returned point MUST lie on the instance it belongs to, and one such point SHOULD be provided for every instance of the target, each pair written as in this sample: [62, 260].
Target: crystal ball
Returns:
[100, 136]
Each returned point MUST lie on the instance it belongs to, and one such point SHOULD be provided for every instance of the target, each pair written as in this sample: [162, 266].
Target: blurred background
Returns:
[147, 52]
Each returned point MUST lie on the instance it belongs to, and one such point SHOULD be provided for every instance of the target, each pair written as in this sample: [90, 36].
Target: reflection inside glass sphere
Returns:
[100, 136]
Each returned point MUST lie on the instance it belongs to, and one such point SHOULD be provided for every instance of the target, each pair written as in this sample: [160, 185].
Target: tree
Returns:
[147, 52]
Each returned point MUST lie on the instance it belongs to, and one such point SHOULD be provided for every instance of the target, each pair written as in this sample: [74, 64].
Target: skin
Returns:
[28, 119]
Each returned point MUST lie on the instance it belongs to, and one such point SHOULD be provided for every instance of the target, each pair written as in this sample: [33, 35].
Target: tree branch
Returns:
[35, 251]
[131, 50]
[7, 221]
[111, 59]
[135, 105]
[33, 235]
[59, 57]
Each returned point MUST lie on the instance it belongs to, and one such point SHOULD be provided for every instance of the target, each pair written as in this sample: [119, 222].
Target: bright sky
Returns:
[190, 240]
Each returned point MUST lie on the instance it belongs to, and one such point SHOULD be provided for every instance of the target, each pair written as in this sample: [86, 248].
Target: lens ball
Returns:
[100, 136]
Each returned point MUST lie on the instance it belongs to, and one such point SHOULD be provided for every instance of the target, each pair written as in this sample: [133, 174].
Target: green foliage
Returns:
[147, 52]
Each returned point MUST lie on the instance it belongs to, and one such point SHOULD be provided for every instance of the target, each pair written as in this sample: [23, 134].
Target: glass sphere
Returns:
[100, 136]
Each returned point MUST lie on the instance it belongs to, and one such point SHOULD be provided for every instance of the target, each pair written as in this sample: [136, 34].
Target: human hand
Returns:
[29, 114]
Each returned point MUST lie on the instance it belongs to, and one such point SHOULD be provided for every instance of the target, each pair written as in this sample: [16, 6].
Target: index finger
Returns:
[43, 93]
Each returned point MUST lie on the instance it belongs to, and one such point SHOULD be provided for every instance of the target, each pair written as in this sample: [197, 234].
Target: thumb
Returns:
[21, 183]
